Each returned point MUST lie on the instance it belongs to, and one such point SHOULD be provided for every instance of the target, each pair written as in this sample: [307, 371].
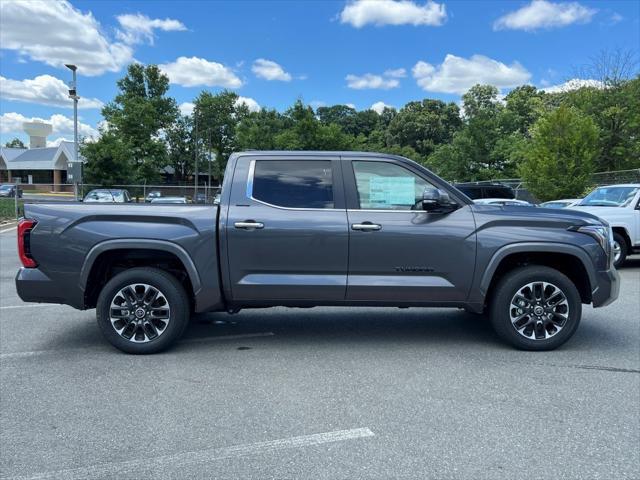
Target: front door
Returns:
[397, 251]
[286, 231]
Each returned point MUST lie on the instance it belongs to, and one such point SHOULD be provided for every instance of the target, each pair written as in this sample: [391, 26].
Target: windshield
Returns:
[610, 197]
[6, 187]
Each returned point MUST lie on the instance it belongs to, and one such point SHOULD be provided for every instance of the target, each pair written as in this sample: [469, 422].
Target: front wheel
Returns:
[535, 308]
[143, 310]
[619, 250]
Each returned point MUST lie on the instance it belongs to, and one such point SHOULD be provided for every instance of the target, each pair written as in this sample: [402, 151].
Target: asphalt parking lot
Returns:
[318, 393]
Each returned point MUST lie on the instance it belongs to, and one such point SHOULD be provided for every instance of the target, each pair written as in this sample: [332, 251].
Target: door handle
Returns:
[249, 225]
[366, 226]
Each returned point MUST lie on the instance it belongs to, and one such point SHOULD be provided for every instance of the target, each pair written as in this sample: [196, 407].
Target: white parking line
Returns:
[156, 466]
[8, 229]
[36, 353]
[35, 305]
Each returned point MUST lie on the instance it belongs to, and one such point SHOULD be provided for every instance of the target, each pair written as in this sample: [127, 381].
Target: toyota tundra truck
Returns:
[305, 229]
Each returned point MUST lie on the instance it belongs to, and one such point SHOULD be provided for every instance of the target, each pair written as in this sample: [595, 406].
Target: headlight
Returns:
[601, 233]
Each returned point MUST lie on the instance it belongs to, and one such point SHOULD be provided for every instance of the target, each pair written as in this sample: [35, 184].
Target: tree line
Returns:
[553, 141]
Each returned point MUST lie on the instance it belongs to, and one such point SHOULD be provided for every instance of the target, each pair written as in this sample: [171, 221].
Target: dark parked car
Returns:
[302, 229]
[9, 190]
[478, 190]
[106, 195]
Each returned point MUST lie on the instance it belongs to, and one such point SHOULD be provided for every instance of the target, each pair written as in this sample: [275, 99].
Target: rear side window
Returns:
[293, 183]
[472, 192]
[498, 192]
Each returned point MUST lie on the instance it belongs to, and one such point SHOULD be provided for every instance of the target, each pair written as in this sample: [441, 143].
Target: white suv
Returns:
[619, 205]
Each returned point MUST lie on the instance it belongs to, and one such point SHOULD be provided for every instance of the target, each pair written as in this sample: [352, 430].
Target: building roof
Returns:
[49, 158]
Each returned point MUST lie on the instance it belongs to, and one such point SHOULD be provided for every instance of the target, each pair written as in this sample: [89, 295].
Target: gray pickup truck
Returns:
[303, 229]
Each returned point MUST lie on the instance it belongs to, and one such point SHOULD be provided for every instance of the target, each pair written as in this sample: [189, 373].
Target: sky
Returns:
[364, 53]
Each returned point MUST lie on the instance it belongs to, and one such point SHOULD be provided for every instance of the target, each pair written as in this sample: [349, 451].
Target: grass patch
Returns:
[8, 209]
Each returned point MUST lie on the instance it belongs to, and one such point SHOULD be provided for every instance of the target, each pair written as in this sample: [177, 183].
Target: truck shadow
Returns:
[340, 327]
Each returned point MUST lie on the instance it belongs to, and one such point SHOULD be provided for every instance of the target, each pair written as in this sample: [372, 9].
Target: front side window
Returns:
[387, 186]
[293, 183]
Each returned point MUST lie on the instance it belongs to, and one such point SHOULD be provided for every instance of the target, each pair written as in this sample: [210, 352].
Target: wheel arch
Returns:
[625, 234]
[568, 259]
[155, 249]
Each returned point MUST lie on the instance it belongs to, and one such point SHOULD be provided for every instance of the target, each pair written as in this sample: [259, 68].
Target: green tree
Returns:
[472, 153]
[616, 111]
[108, 162]
[523, 106]
[560, 160]
[137, 116]
[216, 118]
[424, 125]
[306, 132]
[258, 130]
[15, 143]
[180, 144]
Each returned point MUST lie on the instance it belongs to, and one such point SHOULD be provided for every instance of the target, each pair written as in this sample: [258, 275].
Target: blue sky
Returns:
[271, 53]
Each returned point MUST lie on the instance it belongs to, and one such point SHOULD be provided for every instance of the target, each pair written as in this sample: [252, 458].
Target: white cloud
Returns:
[194, 71]
[250, 103]
[186, 108]
[11, 122]
[57, 141]
[396, 73]
[270, 70]
[391, 12]
[379, 107]
[574, 84]
[457, 74]
[137, 28]
[371, 81]
[544, 14]
[43, 90]
[56, 33]
[351, 105]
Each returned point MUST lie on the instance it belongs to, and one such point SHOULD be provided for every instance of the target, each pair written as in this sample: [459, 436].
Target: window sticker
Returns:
[392, 190]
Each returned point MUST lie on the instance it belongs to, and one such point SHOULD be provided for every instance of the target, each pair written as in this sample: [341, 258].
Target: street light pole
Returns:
[73, 94]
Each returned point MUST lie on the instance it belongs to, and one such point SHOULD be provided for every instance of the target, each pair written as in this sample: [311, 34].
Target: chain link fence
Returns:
[11, 208]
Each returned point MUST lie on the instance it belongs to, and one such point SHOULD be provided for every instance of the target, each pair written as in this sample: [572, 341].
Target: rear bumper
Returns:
[33, 285]
[607, 288]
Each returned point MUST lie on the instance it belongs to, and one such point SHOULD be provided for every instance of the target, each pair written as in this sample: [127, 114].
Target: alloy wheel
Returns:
[539, 310]
[139, 312]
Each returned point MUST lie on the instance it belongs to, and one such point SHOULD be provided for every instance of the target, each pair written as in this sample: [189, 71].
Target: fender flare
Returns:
[536, 247]
[144, 244]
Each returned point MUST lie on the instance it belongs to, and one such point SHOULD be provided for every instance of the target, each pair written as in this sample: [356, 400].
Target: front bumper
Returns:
[33, 285]
[607, 288]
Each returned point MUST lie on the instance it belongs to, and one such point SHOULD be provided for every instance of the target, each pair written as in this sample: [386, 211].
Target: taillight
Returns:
[24, 242]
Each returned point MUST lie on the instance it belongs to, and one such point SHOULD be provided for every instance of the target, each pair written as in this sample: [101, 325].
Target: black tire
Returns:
[624, 249]
[169, 287]
[500, 309]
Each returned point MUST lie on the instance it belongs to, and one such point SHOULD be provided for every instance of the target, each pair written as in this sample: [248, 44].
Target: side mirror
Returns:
[437, 201]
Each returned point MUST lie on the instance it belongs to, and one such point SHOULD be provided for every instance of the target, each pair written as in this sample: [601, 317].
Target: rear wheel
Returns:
[143, 310]
[620, 250]
[535, 308]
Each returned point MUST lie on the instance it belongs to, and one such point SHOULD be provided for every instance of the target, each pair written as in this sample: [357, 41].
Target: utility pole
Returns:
[73, 94]
[195, 185]
[210, 158]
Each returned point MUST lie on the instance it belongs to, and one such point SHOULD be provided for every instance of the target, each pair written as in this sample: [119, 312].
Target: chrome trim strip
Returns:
[294, 280]
[397, 281]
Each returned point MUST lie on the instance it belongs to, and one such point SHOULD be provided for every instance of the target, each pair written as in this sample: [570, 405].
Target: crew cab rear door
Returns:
[397, 251]
[286, 231]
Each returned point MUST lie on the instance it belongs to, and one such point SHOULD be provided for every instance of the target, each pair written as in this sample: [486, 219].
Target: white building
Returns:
[37, 164]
